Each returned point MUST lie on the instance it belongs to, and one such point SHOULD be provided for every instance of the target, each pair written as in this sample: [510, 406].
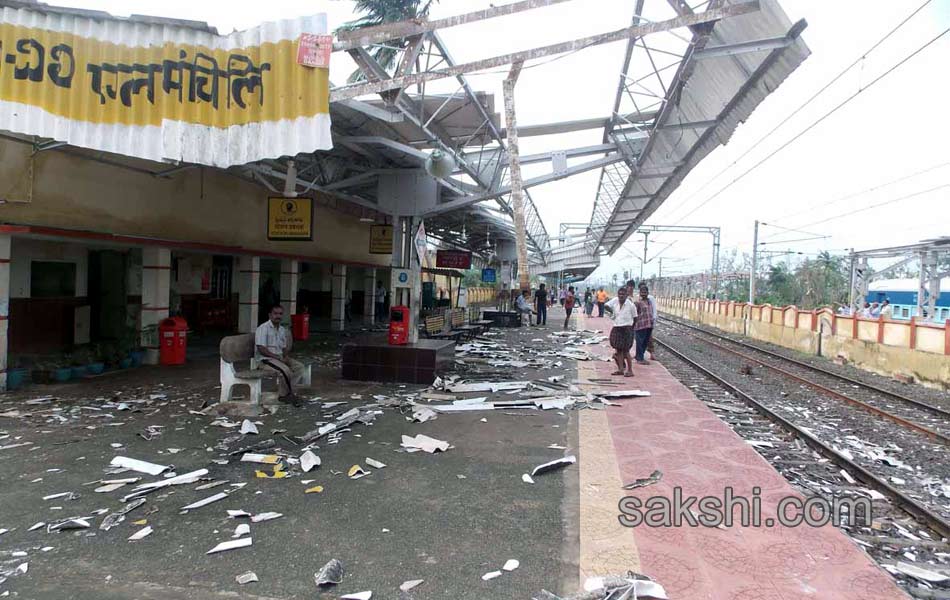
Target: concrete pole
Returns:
[289, 282]
[249, 284]
[514, 170]
[338, 297]
[643, 261]
[5, 247]
[156, 288]
[369, 296]
[755, 263]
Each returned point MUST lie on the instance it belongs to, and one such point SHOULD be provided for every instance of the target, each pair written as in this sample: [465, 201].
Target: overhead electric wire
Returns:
[817, 122]
[874, 188]
[806, 103]
[880, 204]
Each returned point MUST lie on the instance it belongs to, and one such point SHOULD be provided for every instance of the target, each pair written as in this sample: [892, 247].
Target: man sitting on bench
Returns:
[273, 351]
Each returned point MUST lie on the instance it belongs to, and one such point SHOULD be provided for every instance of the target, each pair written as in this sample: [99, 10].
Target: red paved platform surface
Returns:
[675, 432]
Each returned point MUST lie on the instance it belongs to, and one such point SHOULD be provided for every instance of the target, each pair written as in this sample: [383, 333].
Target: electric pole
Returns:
[755, 261]
[643, 261]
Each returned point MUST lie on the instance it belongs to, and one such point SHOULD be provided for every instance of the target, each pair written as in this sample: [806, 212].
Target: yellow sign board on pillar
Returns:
[289, 219]
[381, 239]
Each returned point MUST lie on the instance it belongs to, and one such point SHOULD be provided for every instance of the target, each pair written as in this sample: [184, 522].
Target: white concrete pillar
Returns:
[369, 296]
[338, 295]
[4, 307]
[156, 290]
[249, 283]
[289, 283]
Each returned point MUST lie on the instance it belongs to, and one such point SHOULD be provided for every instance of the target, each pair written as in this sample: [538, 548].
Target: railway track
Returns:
[903, 526]
[913, 414]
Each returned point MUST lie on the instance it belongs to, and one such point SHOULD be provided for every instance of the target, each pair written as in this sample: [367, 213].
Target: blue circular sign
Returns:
[403, 277]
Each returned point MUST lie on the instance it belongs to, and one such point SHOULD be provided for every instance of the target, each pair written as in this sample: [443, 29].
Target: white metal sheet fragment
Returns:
[625, 394]
[554, 464]
[234, 514]
[265, 516]
[230, 545]
[248, 427]
[527, 478]
[245, 578]
[309, 461]
[241, 530]
[405, 586]
[375, 463]
[492, 575]
[357, 596]
[138, 465]
[921, 573]
[264, 459]
[424, 442]
[511, 564]
[205, 501]
[141, 533]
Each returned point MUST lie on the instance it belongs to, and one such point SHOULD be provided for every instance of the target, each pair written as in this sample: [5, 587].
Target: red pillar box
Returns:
[300, 326]
[399, 326]
[173, 336]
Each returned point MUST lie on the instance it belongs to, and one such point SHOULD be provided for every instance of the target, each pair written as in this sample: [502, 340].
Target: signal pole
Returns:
[755, 263]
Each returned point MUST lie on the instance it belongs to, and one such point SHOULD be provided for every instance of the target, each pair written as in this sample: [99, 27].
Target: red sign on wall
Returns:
[313, 50]
[453, 259]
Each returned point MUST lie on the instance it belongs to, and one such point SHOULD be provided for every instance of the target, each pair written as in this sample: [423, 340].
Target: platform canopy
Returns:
[689, 77]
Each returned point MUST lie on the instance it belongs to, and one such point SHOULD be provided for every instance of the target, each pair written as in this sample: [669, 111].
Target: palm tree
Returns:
[380, 12]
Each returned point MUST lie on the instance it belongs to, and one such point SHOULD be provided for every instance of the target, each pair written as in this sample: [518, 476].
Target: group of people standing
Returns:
[634, 318]
[542, 299]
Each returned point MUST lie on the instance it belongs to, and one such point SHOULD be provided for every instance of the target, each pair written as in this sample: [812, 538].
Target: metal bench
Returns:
[238, 349]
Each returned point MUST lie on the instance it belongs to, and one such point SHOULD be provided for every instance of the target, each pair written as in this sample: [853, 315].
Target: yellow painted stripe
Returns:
[57, 71]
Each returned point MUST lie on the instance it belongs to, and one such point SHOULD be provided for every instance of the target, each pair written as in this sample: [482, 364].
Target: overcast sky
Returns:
[895, 129]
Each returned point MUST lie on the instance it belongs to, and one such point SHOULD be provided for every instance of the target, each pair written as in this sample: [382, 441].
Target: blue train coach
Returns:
[903, 296]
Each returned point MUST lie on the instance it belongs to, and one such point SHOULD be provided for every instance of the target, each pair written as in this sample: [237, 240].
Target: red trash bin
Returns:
[173, 333]
[399, 326]
[300, 326]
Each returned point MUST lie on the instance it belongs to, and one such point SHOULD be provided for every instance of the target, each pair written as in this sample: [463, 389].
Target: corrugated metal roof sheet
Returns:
[724, 89]
[161, 90]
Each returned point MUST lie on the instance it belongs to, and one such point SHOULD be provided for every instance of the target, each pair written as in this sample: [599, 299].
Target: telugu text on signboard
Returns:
[453, 259]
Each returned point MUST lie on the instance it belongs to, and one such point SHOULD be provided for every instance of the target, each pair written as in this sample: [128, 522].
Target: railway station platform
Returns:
[674, 432]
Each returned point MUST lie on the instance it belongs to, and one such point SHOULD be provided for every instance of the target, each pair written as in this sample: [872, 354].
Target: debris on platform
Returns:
[241, 530]
[554, 465]
[511, 565]
[141, 534]
[603, 588]
[204, 502]
[309, 461]
[491, 575]
[375, 463]
[405, 586]
[247, 427]
[356, 472]
[138, 465]
[264, 459]
[919, 573]
[246, 578]
[329, 574]
[654, 477]
[357, 596]
[424, 443]
[230, 545]
[527, 478]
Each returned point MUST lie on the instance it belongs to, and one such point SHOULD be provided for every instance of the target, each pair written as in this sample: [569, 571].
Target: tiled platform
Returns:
[675, 432]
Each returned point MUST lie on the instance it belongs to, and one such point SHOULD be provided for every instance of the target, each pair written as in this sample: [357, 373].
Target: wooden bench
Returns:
[458, 324]
[434, 327]
[238, 349]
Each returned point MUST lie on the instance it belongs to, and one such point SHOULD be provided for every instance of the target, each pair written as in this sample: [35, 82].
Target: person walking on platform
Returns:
[569, 305]
[643, 327]
[541, 305]
[623, 311]
[588, 302]
[601, 301]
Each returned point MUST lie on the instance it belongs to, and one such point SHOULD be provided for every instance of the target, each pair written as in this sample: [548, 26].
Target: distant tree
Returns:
[380, 12]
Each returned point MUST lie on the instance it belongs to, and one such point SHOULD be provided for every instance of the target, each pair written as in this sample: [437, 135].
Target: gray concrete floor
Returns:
[444, 528]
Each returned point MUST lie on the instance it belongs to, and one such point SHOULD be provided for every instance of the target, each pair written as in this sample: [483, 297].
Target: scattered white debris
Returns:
[408, 585]
[264, 459]
[511, 565]
[231, 545]
[265, 516]
[138, 465]
[491, 575]
[242, 530]
[921, 573]
[309, 461]
[553, 465]
[247, 427]
[246, 578]
[141, 533]
[375, 463]
[424, 443]
[357, 596]
[205, 501]
[527, 478]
